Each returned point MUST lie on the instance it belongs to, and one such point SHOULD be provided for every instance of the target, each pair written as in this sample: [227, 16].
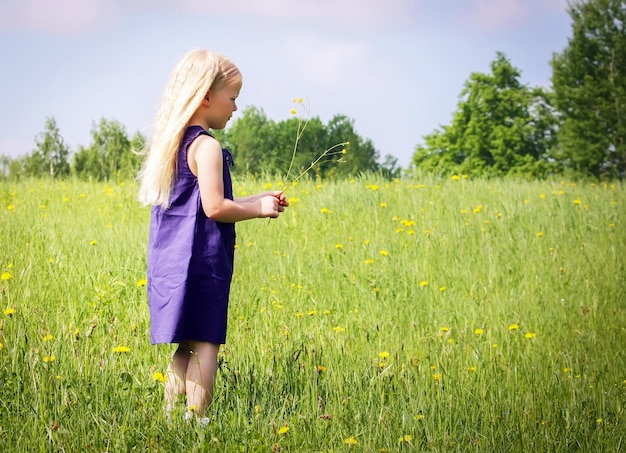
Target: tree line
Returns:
[577, 128]
[501, 127]
[260, 146]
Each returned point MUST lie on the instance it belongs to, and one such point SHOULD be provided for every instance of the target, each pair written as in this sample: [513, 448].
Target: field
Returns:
[423, 315]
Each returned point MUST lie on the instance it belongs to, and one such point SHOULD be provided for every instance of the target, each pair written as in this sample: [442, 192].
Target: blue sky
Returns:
[395, 67]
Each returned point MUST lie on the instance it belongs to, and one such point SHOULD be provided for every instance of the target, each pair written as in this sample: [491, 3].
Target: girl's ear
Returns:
[205, 101]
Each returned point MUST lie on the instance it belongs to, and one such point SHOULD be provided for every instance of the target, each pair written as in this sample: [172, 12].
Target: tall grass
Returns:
[428, 315]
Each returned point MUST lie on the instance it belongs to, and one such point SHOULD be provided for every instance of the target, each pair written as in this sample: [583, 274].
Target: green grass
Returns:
[427, 315]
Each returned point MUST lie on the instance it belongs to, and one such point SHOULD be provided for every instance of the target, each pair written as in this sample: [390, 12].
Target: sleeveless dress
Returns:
[190, 260]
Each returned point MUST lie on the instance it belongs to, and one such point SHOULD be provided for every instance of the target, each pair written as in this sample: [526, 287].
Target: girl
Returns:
[186, 179]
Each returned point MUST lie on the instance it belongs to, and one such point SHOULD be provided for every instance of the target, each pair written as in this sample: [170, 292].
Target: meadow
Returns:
[413, 315]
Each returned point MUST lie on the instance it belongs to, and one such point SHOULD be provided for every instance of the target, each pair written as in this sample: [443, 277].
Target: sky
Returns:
[396, 68]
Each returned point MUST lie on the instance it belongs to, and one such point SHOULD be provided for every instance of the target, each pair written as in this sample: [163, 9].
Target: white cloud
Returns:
[489, 15]
[322, 62]
[77, 16]
[58, 17]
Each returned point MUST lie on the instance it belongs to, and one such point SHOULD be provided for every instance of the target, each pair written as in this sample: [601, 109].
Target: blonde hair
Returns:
[196, 73]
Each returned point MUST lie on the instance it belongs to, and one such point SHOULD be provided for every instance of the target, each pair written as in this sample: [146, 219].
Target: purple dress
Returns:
[190, 260]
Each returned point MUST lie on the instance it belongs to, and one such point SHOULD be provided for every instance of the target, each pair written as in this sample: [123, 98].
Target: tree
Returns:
[589, 80]
[50, 155]
[250, 141]
[501, 127]
[105, 157]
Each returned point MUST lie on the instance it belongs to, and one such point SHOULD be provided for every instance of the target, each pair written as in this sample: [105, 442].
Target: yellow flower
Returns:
[339, 329]
[321, 368]
[369, 261]
[293, 111]
[406, 438]
[6, 276]
[283, 429]
[383, 355]
[1, 346]
[529, 335]
[94, 242]
[9, 311]
[471, 368]
[384, 253]
[383, 205]
[539, 234]
[513, 327]
[47, 338]
[479, 331]
[351, 441]
[121, 349]
[338, 246]
[578, 201]
[455, 177]
[437, 377]
[445, 329]
[142, 282]
[423, 283]
[49, 358]
[158, 376]
[442, 288]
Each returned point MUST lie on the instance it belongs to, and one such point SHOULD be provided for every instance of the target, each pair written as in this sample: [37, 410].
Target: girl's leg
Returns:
[200, 375]
[176, 371]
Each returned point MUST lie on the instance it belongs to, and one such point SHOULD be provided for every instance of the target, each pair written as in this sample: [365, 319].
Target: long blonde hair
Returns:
[196, 73]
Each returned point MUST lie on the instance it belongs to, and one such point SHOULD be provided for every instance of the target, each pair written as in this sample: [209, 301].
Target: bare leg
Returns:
[176, 371]
[200, 375]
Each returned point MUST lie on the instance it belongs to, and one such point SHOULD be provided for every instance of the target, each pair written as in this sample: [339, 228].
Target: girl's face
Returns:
[221, 105]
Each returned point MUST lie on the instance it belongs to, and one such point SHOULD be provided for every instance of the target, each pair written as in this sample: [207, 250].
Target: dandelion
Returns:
[94, 242]
[141, 283]
[338, 246]
[383, 355]
[76, 334]
[384, 253]
[419, 417]
[423, 283]
[436, 377]
[6, 276]
[405, 438]
[121, 349]
[321, 368]
[1, 346]
[578, 201]
[9, 311]
[456, 177]
[529, 335]
[311, 313]
[369, 261]
[283, 430]
[383, 205]
[513, 327]
[539, 234]
[351, 441]
[47, 338]
[445, 329]
[159, 377]
[471, 369]
[49, 358]
[339, 329]
[442, 288]
[479, 331]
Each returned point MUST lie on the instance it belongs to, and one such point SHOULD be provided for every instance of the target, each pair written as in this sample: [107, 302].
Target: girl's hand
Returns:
[270, 206]
[282, 200]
